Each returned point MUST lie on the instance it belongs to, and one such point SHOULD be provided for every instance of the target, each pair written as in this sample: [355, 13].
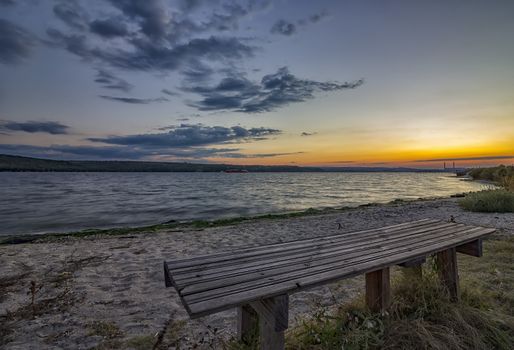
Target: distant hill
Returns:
[17, 163]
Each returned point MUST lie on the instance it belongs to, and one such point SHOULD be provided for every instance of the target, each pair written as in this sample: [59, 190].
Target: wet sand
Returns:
[108, 292]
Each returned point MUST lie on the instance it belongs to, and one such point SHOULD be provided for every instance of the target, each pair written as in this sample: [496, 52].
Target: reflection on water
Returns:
[51, 202]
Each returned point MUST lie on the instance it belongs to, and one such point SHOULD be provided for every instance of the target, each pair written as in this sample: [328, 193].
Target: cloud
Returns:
[7, 2]
[15, 43]
[287, 28]
[169, 92]
[308, 133]
[190, 135]
[54, 128]
[109, 28]
[283, 27]
[259, 155]
[110, 81]
[183, 141]
[146, 55]
[71, 13]
[126, 152]
[133, 100]
[463, 158]
[152, 15]
[274, 91]
[314, 18]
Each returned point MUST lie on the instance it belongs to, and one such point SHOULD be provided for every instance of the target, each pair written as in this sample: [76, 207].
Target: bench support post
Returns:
[448, 272]
[273, 321]
[378, 290]
[247, 320]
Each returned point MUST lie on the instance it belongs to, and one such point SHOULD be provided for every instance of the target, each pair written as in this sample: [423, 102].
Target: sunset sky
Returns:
[338, 83]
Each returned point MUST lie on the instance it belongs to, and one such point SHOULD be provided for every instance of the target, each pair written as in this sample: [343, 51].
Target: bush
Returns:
[489, 201]
[502, 175]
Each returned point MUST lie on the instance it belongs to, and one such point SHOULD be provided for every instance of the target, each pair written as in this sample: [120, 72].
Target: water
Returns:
[57, 202]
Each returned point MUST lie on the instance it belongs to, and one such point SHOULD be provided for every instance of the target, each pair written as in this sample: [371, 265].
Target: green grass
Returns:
[489, 201]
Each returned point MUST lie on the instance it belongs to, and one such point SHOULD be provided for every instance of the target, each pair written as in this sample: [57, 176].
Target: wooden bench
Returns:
[258, 280]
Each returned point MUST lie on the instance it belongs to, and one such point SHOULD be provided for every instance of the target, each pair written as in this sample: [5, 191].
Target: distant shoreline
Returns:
[9, 163]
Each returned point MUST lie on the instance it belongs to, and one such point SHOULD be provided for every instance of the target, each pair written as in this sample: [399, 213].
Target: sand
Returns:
[108, 292]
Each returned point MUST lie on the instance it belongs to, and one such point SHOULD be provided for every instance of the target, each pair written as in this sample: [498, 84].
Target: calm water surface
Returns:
[54, 202]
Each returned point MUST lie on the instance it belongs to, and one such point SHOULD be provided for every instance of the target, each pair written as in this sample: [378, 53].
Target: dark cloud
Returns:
[110, 81]
[308, 133]
[15, 43]
[169, 92]
[283, 27]
[463, 158]
[274, 91]
[7, 2]
[259, 155]
[54, 128]
[121, 152]
[74, 152]
[183, 141]
[152, 15]
[318, 17]
[71, 13]
[314, 18]
[109, 28]
[133, 100]
[149, 56]
[190, 135]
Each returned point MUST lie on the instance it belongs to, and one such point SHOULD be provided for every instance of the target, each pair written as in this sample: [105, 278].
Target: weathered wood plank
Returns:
[314, 269]
[472, 248]
[378, 290]
[176, 265]
[271, 260]
[273, 321]
[204, 307]
[447, 267]
[317, 264]
[414, 262]
[247, 323]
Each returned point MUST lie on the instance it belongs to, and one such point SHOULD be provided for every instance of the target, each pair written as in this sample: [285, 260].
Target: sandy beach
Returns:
[108, 292]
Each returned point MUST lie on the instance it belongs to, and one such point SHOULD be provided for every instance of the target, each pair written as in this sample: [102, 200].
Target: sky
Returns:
[335, 83]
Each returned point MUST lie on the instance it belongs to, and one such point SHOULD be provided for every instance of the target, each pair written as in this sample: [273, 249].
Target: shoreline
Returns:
[107, 291]
[196, 224]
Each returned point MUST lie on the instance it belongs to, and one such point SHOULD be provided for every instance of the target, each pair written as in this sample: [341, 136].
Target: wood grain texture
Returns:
[447, 267]
[273, 321]
[212, 283]
[247, 322]
[378, 290]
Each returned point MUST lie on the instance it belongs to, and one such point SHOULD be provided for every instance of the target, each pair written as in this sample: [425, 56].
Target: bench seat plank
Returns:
[182, 280]
[209, 284]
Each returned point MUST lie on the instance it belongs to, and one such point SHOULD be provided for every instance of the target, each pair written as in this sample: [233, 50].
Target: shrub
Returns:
[489, 201]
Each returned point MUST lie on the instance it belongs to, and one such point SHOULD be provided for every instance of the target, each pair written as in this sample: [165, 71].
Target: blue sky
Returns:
[274, 82]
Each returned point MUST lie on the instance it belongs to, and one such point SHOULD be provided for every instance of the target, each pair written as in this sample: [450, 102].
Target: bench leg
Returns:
[273, 321]
[247, 320]
[448, 272]
[378, 290]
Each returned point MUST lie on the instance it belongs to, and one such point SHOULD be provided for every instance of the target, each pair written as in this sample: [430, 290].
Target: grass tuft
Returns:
[489, 201]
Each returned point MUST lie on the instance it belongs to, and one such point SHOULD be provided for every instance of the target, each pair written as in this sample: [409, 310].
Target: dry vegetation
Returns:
[422, 316]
